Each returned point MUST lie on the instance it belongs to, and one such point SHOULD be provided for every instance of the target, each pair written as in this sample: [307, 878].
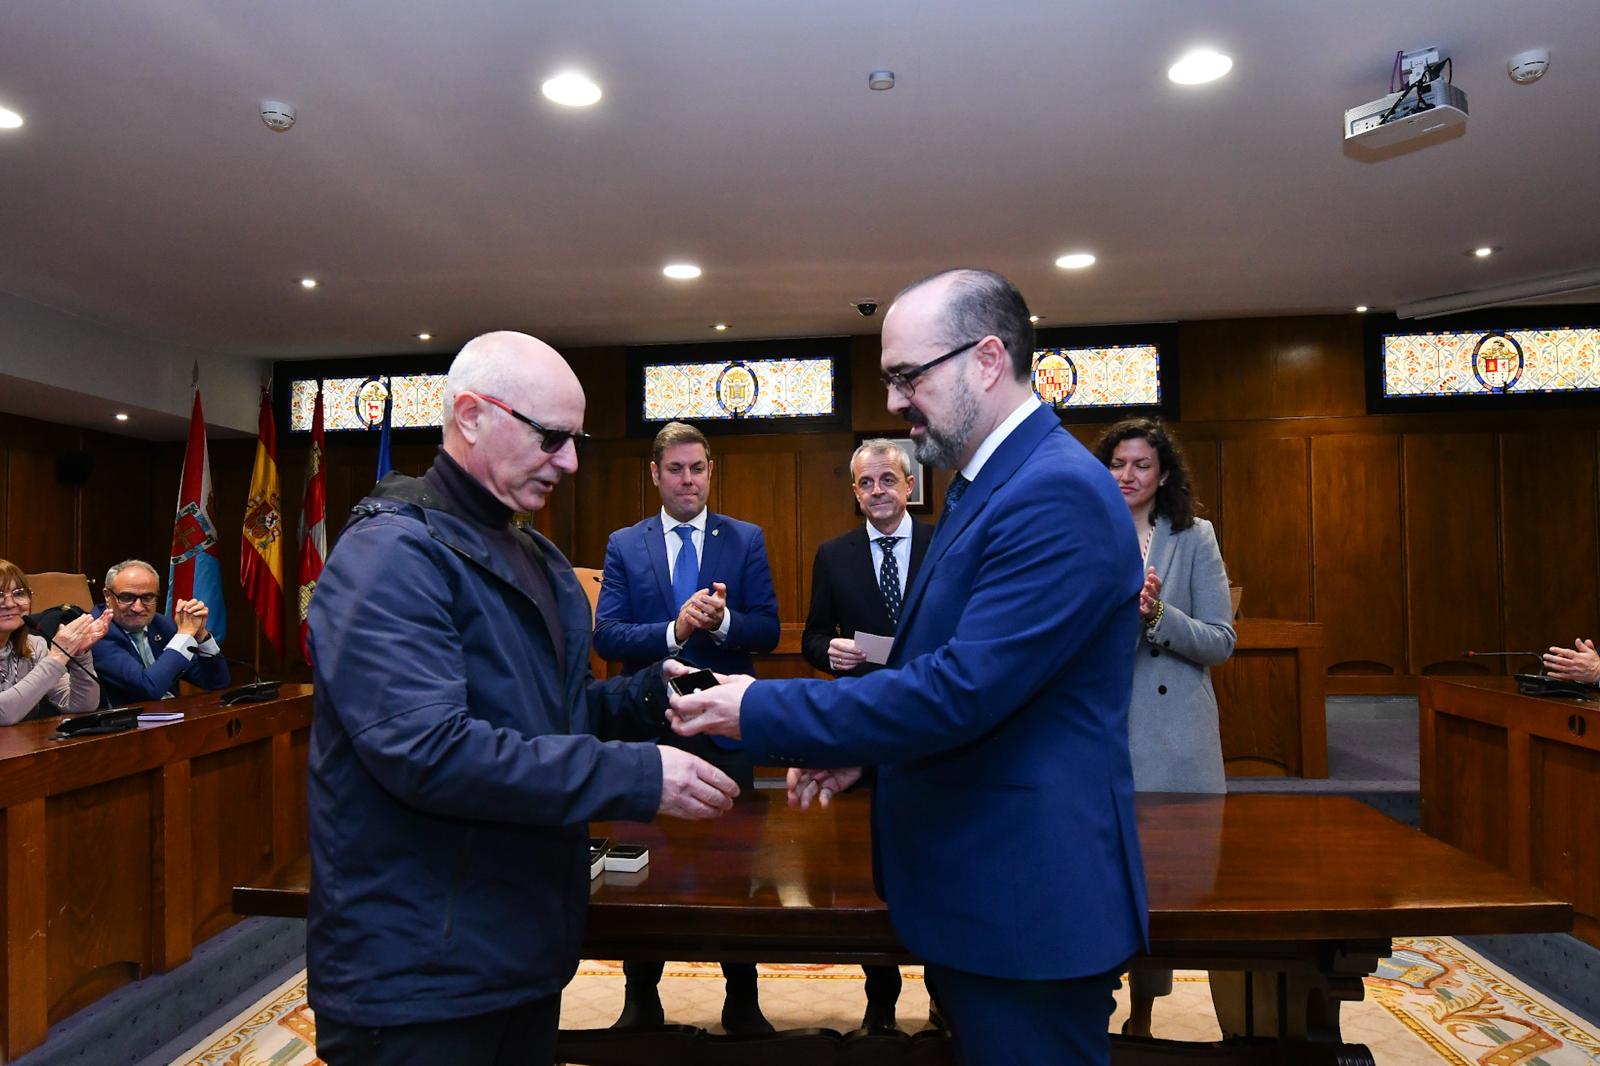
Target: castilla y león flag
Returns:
[313, 527]
[195, 571]
[261, 544]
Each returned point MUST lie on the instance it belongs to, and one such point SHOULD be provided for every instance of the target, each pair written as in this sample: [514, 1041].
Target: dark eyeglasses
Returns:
[551, 440]
[906, 380]
[128, 599]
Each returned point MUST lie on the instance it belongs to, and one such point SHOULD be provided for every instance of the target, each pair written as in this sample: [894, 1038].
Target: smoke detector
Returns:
[278, 115]
[1529, 66]
[880, 80]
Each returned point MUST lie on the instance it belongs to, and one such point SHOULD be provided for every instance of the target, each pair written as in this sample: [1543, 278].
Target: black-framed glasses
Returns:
[551, 440]
[906, 380]
[128, 599]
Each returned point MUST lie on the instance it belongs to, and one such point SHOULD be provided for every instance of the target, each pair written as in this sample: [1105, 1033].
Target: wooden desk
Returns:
[1515, 780]
[119, 852]
[1271, 700]
[1306, 885]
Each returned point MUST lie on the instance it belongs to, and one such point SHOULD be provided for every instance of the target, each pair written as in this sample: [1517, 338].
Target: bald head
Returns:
[968, 303]
[511, 370]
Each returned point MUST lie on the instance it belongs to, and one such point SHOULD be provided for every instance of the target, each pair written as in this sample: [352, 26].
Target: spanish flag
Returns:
[261, 546]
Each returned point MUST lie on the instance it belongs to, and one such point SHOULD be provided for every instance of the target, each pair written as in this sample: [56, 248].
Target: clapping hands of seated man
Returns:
[704, 610]
[190, 618]
[1577, 663]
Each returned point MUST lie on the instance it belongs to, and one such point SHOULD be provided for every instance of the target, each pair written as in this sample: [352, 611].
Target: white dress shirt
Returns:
[998, 435]
[669, 526]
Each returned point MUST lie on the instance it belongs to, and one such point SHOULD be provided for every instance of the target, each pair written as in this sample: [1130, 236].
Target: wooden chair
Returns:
[589, 578]
[55, 589]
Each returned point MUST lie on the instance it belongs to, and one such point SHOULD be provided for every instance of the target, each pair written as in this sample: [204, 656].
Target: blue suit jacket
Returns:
[636, 597]
[125, 679]
[1003, 825]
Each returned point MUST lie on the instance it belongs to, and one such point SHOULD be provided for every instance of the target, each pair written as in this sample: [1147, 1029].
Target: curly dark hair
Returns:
[1175, 498]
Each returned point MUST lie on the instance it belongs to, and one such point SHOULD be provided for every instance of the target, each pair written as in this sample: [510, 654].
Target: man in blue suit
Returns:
[1003, 825]
[145, 654]
[695, 585]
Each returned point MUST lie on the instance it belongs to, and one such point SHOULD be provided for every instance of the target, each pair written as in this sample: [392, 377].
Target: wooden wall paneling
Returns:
[760, 487]
[1547, 526]
[1204, 458]
[1565, 810]
[42, 513]
[827, 506]
[1318, 366]
[1260, 368]
[1224, 370]
[98, 886]
[869, 400]
[231, 826]
[603, 373]
[1357, 560]
[613, 491]
[1267, 548]
[118, 523]
[1452, 550]
[6, 431]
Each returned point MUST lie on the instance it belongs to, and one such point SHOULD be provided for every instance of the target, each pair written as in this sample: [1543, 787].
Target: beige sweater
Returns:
[26, 682]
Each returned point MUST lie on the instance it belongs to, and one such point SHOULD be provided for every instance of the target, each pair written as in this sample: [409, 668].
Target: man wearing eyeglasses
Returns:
[145, 654]
[1004, 837]
[459, 746]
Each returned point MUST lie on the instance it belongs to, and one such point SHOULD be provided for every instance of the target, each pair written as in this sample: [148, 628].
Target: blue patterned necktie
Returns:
[889, 579]
[952, 496]
[686, 571]
[141, 644]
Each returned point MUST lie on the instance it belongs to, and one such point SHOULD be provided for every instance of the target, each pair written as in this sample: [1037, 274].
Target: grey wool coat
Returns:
[1172, 720]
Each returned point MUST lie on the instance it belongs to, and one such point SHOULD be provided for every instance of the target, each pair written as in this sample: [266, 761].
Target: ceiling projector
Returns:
[1424, 107]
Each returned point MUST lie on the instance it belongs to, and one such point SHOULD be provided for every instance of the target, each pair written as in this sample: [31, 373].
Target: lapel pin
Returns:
[714, 532]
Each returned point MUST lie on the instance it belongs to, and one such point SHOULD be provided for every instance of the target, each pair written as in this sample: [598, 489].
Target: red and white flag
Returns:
[195, 569]
[313, 525]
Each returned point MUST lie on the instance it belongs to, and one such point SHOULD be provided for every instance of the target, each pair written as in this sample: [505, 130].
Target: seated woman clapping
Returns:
[35, 678]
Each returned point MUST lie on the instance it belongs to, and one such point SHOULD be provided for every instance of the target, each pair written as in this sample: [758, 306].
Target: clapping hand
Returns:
[1577, 663]
[1149, 595]
[79, 635]
[703, 610]
[190, 618]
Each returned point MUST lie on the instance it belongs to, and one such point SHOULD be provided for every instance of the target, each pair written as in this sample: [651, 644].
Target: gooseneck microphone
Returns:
[257, 691]
[1539, 684]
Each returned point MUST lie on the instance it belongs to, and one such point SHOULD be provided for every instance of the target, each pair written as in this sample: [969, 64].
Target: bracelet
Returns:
[1155, 620]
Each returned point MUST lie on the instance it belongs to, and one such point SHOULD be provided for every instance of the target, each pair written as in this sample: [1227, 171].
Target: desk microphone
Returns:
[1536, 684]
[257, 691]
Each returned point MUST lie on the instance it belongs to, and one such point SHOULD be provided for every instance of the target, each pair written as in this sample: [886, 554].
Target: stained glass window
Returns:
[755, 388]
[1491, 362]
[1118, 375]
[348, 403]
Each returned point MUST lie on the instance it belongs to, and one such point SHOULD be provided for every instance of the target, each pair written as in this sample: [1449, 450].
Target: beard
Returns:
[944, 446]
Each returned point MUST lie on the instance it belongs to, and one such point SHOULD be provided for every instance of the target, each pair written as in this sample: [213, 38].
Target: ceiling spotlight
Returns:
[1484, 252]
[720, 327]
[121, 416]
[571, 90]
[1075, 261]
[1200, 66]
[9, 119]
[681, 271]
[1035, 319]
[424, 336]
[308, 283]
[1361, 309]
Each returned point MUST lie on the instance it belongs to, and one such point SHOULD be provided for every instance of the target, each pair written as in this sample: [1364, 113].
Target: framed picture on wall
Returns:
[918, 502]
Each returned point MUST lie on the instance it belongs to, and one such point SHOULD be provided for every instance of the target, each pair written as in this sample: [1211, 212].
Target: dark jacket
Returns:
[845, 596]
[124, 678]
[453, 766]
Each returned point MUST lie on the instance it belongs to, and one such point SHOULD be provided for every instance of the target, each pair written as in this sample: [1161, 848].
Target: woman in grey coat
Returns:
[1172, 720]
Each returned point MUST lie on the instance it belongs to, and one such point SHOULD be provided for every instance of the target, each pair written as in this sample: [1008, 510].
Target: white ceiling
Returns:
[429, 186]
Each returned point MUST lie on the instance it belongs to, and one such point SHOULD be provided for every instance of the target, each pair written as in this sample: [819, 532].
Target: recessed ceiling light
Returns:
[424, 336]
[1075, 261]
[1361, 309]
[1200, 66]
[121, 417]
[1036, 318]
[681, 271]
[571, 90]
[308, 283]
[720, 327]
[1484, 252]
[9, 119]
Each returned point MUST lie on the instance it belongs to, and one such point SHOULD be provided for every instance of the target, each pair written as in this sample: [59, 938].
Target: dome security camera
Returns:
[865, 308]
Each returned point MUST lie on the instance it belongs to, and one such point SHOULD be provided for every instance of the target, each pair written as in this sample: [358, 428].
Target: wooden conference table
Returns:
[118, 853]
[1304, 886]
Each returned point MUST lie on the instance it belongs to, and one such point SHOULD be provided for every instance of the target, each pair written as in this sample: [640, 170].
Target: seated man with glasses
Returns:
[145, 654]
